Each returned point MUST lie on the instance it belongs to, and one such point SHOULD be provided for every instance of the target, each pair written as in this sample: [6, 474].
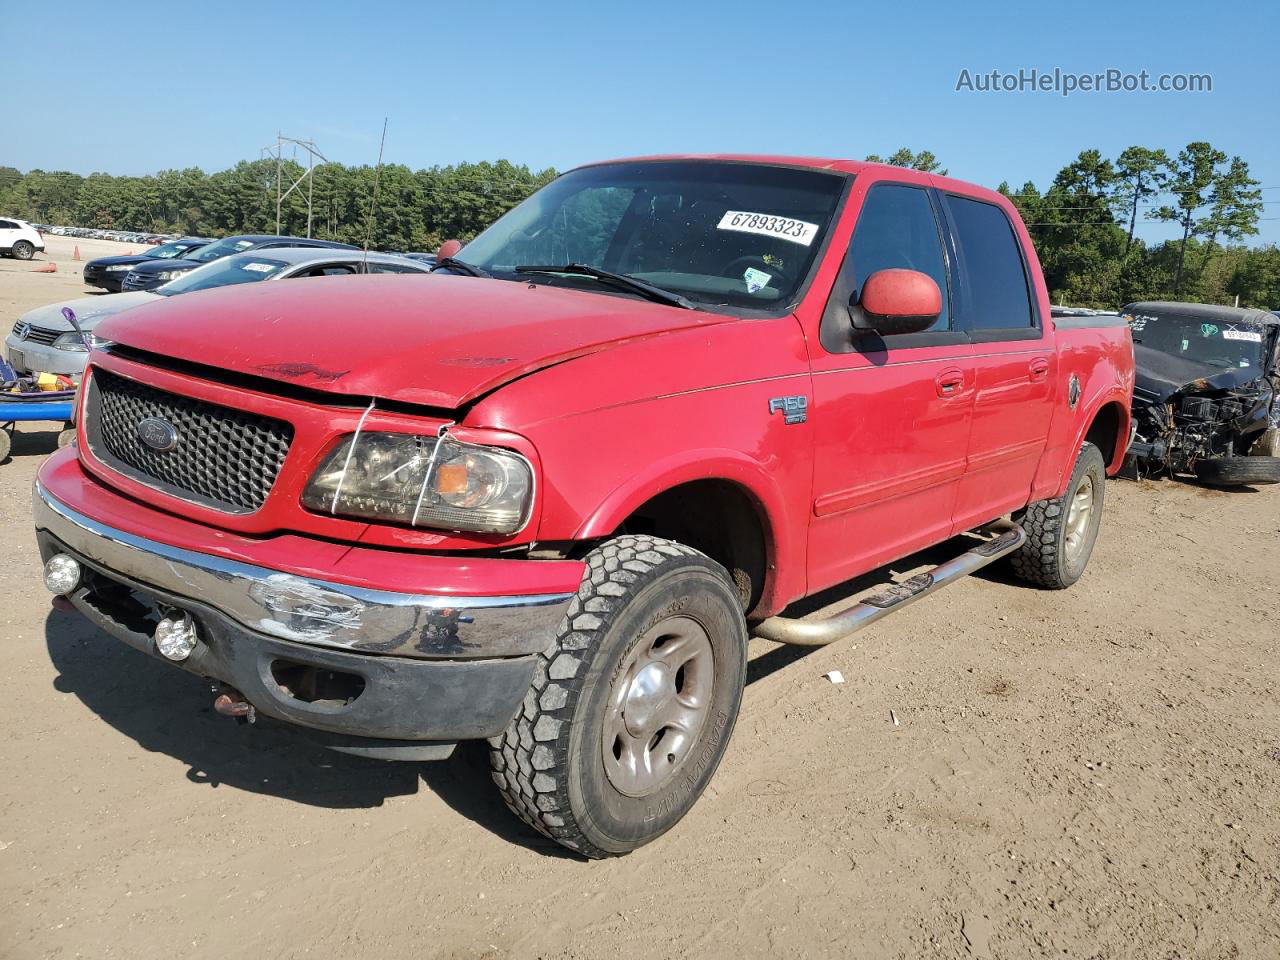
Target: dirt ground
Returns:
[1084, 774]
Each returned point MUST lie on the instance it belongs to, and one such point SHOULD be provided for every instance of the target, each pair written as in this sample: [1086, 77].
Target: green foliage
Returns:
[414, 210]
[923, 161]
[1085, 225]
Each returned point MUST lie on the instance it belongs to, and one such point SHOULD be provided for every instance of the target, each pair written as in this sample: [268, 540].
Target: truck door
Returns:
[1014, 360]
[890, 414]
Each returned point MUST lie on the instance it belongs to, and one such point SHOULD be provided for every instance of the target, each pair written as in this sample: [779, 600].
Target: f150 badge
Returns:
[794, 409]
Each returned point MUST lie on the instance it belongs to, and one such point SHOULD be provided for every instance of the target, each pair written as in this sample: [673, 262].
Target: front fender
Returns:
[709, 464]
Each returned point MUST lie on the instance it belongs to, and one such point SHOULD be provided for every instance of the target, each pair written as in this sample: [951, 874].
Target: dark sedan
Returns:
[152, 273]
[109, 272]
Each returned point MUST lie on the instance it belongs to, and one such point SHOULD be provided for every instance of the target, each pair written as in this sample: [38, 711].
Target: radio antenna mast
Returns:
[373, 200]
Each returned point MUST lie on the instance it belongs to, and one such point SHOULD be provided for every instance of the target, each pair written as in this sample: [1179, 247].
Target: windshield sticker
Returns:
[756, 280]
[243, 244]
[1207, 329]
[259, 267]
[784, 228]
[1249, 335]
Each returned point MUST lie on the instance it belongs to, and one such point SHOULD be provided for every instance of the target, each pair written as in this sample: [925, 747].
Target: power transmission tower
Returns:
[281, 193]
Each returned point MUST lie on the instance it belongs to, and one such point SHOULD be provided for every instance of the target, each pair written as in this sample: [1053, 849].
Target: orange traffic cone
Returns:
[47, 268]
[76, 254]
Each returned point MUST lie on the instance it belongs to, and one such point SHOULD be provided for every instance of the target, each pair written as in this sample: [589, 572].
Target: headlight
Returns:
[424, 482]
[72, 343]
[119, 267]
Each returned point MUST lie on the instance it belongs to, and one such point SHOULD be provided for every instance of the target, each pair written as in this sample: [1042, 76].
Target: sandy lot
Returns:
[21, 288]
[1085, 774]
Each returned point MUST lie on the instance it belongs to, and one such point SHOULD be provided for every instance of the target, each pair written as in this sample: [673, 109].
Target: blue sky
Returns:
[137, 88]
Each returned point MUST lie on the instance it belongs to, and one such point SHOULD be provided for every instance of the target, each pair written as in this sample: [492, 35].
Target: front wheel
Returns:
[1239, 471]
[1061, 532]
[632, 706]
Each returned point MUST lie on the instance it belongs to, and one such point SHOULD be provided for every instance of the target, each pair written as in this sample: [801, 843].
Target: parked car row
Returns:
[122, 236]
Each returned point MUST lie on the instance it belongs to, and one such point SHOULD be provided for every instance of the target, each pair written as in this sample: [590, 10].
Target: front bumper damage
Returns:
[377, 672]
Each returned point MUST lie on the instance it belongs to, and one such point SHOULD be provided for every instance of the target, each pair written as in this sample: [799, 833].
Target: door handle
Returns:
[950, 383]
[1038, 369]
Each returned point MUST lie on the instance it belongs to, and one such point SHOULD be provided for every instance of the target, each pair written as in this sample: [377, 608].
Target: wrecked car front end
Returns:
[1206, 393]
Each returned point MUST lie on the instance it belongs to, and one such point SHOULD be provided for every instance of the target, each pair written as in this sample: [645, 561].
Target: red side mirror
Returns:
[908, 300]
[449, 248]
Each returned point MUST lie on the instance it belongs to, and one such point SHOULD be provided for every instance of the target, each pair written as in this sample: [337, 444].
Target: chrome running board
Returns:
[818, 633]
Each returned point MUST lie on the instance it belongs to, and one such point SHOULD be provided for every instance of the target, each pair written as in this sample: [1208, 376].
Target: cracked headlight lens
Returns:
[423, 482]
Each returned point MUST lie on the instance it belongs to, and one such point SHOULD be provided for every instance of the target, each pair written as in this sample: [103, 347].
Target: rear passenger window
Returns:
[992, 291]
[896, 228]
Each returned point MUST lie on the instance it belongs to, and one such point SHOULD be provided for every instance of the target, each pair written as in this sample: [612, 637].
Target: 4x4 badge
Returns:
[794, 409]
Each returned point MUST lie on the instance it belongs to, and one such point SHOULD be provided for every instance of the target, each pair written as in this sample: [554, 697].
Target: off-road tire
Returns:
[549, 765]
[66, 436]
[1239, 471]
[1043, 560]
[6, 443]
[1268, 445]
[23, 250]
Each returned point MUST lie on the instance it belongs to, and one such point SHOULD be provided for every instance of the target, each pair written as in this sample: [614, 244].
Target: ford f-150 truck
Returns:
[544, 495]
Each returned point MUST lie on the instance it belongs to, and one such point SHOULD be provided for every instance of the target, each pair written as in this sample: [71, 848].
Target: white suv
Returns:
[19, 238]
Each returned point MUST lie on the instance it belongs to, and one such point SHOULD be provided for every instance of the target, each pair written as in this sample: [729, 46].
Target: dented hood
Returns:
[439, 340]
[1162, 375]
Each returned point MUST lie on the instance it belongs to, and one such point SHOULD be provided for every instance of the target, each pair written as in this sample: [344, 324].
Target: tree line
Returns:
[391, 207]
[1087, 223]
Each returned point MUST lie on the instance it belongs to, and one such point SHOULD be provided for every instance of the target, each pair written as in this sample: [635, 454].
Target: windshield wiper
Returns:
[453, 263]
[617, 279]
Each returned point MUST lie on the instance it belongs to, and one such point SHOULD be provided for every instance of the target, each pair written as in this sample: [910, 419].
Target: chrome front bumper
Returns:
[310, 611]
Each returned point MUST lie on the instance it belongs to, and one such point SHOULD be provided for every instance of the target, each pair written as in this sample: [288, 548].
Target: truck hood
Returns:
[90, 311]
[438, 340]
[1162, 375]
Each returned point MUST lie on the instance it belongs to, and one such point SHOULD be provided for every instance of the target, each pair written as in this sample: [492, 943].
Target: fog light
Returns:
[176, 637]
[61, 574]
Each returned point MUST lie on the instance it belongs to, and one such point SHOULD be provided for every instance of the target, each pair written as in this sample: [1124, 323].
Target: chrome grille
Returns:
[224, 458]
[42, 335]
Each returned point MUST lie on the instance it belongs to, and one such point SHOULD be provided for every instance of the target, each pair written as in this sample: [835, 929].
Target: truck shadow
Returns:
[169, 711]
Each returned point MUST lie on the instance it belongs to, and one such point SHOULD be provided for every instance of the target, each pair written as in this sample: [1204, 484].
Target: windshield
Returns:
[720, 234]
[1219, 343]
[222, 273]
[167, 251]
[220, 248]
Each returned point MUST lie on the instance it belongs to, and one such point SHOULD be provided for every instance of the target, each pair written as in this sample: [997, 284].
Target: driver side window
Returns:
[897, 228]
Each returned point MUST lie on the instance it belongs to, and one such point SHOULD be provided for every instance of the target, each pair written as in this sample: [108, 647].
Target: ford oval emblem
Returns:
[158, 434]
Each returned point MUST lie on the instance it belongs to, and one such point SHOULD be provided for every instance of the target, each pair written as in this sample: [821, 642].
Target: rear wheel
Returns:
[6, 441]
[1061, 532]
[1239, 471]
[632, 706]
[23, 250]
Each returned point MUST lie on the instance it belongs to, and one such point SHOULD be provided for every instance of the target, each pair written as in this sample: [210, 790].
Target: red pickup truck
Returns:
[544, 495]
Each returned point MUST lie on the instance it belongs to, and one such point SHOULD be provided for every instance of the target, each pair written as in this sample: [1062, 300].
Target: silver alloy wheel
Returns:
[657, 705]
[1079, 514]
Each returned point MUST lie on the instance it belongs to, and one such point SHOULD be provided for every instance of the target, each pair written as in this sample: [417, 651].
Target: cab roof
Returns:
[831, 164]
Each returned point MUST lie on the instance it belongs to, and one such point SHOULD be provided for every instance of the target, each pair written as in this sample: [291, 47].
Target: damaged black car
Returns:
[1205, 399]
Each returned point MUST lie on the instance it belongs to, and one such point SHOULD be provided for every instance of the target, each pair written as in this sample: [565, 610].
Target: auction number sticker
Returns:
[766, 225]
[1249, 335]
[259, 267]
